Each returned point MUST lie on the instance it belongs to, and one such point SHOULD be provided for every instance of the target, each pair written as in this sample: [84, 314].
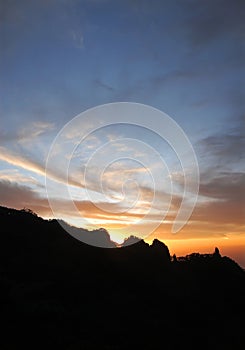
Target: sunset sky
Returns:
[185, 58]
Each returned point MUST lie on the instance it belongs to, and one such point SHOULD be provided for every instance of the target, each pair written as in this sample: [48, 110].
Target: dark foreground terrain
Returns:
[59, 293]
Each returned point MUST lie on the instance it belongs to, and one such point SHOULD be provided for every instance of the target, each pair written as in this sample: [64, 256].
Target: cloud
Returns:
[227, 146]
[103, 85]
[77, 38]
[34, 166]
[27, 19]
[113, 178]
[173, 76]
[226, 200]
[214, 19]
[223, 213]
[27, 134]
[19, 196]
[228, 186]
[147, 87]
[23, 162]
[13, 175]
[221, 190]
[196, 26]
[224, 149]
[220, 212]
[33, 131]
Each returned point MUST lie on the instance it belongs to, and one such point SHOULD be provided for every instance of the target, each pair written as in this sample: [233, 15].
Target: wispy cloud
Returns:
[226, 148]
[13, 175]
[27, 134]
[225, 215]
[19, 196]
[77, 39]
[33, 131]
[34, 166]
[226, 202]
[21, 161]
[102, 84]
[215, 19]
[224, 187]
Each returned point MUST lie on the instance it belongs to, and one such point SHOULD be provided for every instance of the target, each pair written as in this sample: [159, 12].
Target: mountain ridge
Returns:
[60, 293]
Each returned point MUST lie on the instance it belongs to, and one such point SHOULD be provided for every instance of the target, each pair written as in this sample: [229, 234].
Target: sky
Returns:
[60, 58]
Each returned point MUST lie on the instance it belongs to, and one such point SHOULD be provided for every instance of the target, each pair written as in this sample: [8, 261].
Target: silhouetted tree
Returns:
[174, 258]
[29, 211]
[216, 253]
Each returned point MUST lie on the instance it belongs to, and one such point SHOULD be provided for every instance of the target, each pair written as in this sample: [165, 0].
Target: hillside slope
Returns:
[57, 292]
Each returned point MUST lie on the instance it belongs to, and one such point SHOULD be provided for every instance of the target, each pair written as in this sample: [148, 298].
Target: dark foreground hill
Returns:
[59, 293]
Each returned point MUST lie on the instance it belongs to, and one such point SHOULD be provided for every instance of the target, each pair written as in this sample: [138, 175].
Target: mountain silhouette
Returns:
[57, 292]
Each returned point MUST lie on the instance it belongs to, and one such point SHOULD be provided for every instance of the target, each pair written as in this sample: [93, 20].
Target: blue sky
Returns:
[186, 58]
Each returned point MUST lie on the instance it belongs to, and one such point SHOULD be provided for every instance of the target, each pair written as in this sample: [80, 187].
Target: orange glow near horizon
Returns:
[234, 246]
[231, 245]
[195, 236]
